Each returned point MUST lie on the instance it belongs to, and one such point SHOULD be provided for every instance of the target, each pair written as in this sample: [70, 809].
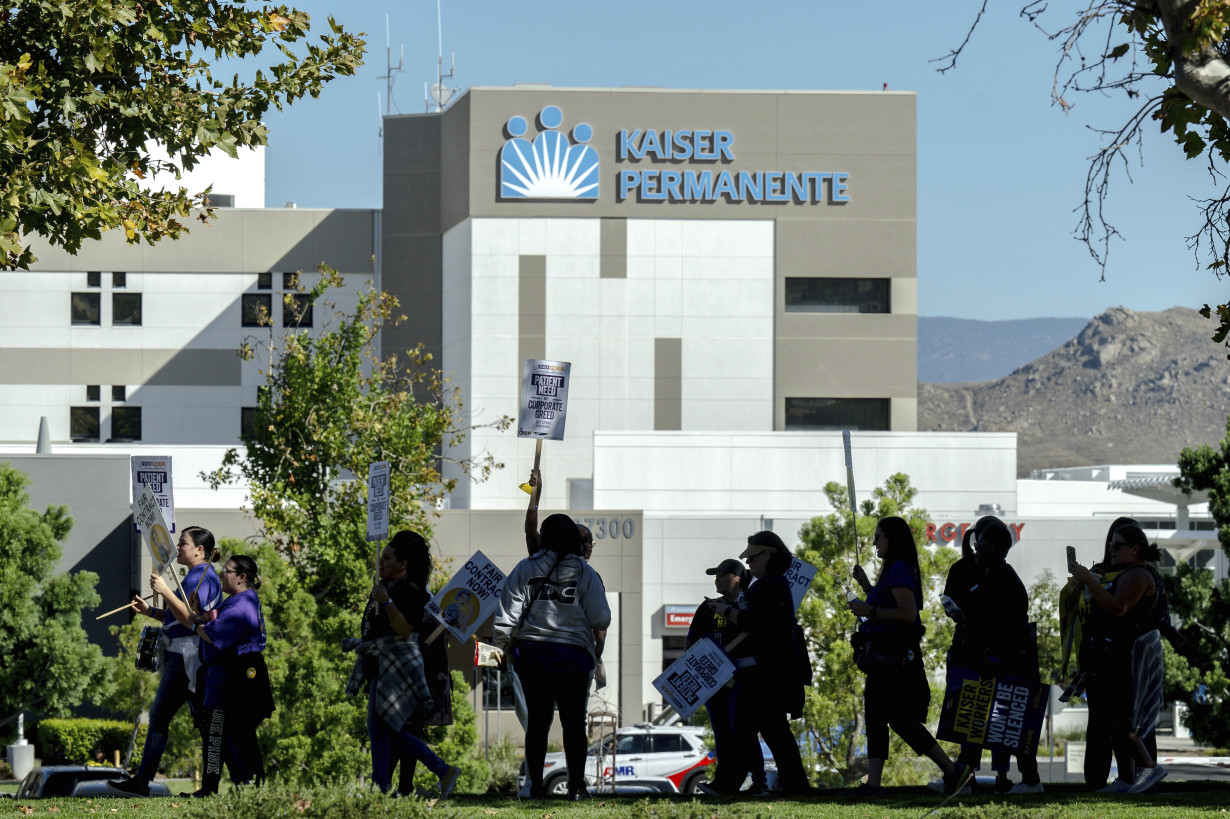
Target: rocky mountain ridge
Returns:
[1131, 387]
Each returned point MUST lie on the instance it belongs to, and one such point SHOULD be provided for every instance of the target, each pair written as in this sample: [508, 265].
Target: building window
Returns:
[86, 308]
[264, 281]
[247, 421]
[257, 308]
[819, 295]
[83, 423]
[220, 200]
[119, 394]
[125, 424]
[837, 413]
[93, 392]
[93, 278]
[299, 312]
[290, 281]
[119, 280]
[126, 309]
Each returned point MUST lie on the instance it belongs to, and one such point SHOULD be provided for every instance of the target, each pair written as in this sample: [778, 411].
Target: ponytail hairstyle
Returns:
[204, 538]
[247, 566]
[1133, 535]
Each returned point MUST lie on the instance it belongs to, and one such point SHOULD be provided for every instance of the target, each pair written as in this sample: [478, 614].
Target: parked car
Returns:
[644, 752]
[76, 780]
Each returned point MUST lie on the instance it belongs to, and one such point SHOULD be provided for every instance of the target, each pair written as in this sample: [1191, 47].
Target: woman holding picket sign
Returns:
[888, 650]
[552, 623]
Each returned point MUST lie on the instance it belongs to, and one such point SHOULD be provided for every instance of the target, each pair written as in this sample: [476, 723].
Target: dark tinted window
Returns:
[290, 281]
[83, 423]
[264, 281]
[247, 421]
[93, 278]
[819, 295]
[637, 743]
[85, 308]
[837, 413]
[299, 312]
[256, 306]
[497, 690]
[119, 394]
[126, 423]
[126, 309]
[670, 743]
[119, 281]
[93, 392]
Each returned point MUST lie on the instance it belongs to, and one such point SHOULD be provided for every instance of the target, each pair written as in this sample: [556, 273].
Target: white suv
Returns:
[675, 752]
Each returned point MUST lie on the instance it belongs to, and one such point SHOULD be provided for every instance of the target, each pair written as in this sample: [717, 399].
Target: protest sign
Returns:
[690, 681]
[800, 575]
[997, 713]
[544, 399]
[378, 501]
[147, 515]
[154, 471]
[469, 597]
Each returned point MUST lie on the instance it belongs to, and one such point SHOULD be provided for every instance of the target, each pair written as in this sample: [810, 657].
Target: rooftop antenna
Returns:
[438, 95]
[391, 72]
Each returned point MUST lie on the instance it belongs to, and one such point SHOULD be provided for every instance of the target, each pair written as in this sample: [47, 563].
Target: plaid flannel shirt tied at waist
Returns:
[400, 687]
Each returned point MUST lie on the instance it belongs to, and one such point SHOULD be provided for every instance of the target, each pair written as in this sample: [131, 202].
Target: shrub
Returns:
[75, 740]
[505, 759]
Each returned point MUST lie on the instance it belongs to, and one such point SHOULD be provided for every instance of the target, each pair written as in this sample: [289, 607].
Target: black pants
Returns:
[898, 701]
[764, 703]
[545, 690]
[231, 741]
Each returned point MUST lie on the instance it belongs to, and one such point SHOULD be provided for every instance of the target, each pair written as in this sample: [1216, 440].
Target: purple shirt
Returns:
[240, 625]
[204, 594]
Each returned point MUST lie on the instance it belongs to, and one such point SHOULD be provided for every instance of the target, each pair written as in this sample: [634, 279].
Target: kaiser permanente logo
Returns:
[552, 166]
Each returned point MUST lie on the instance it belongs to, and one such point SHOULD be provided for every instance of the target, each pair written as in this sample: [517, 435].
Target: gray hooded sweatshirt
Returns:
[566, 601]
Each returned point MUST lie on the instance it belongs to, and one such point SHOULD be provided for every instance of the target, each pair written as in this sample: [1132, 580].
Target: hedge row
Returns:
[74, 741]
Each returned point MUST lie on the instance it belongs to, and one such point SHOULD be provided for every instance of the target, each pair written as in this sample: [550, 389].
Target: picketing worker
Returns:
[391, 660]
[551, 623]
[177, 684]
[531, 521]
[772, 689]
[896, 694]
[993, 635]
[730, 577]
[1121, 653]
[237, 696]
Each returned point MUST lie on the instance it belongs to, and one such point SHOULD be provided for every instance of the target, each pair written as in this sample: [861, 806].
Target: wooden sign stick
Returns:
[525, 487]
[121, 608]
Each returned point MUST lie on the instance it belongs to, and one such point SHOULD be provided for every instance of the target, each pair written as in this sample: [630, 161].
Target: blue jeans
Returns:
[383, 738]
[171, 695]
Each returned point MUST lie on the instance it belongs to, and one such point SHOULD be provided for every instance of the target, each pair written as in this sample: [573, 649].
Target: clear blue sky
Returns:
[1000, 168]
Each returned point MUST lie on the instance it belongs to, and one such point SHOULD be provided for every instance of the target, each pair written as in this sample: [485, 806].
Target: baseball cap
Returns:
[727, 566]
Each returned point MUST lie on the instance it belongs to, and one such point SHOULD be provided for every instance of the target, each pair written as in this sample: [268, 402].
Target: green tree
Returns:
[1196, 674]
[833, 713]
[1044, 613]
[86, 87]
[1205, 468]
[46, 661]
[1170, 62]
[332, 405]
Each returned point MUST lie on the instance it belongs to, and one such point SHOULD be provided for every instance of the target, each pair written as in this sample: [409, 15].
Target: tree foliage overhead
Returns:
[46, 661]
[833, 713]
[1170, 60]
[86, 86]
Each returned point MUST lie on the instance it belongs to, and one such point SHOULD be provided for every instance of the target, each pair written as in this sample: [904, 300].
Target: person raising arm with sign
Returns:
[531, 521]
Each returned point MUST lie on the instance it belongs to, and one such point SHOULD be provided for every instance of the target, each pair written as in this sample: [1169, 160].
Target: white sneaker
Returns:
[1117, 786]
[1021, 787]
[1147, 777]
[937, 785]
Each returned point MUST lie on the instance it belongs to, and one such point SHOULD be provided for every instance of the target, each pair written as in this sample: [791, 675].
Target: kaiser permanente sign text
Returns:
[691, 185]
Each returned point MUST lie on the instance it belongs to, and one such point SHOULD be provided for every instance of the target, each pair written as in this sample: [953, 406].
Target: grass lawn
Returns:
[1180, 799]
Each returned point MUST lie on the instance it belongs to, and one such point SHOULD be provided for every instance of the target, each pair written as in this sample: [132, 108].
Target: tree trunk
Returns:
[1202, 75]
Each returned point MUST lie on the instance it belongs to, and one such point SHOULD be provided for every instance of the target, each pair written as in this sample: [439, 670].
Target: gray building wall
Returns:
[443, 168]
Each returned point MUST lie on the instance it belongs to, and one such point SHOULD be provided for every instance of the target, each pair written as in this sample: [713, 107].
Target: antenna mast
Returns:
[439, 95]
[390, 73]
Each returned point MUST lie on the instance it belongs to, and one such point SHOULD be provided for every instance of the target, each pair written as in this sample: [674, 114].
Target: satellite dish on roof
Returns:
[441, 94]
